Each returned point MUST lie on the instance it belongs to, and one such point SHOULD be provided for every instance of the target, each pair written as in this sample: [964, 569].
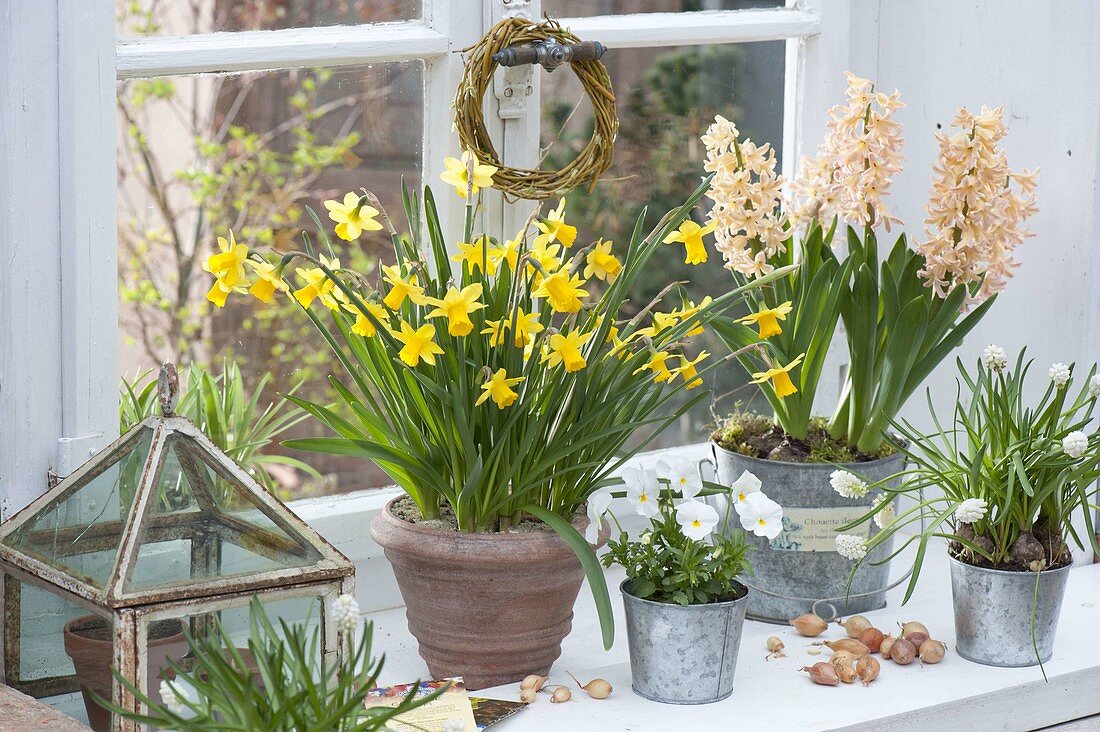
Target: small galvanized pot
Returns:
[801, 566]
[683, 654]
[994, 611]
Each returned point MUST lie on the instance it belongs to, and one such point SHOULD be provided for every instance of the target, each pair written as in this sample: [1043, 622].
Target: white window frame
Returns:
[59, 61]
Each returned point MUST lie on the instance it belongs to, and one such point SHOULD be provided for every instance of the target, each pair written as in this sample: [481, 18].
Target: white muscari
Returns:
[745, 485]
[994, 358]
[885, 514]
[1075, 443]
[1059, 374]
[761, 515]
[697, 520]
[642, 490]
[851, 546]
[598, 503]
[847, 484]
[1094, 386]
[682, 476]
[174, 694]
[345, 613]
[971, 510]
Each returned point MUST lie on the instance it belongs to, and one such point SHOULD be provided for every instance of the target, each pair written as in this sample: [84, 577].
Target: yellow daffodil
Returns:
[565, 348]
[689, 311]
[269, 280]
[601, 263]
[657, 364]
[525, 326]
[690, 234]
[318, 285]
[456, 307]
[499, 388]
[363, 325]
[457, 174]
[661, 322]
[554, 228]
[418, 344]
[546, 257]
[768, 319]
[352, 217]
[563, 291]
[400, 287]
[227, 266]
[479, 255]
[688, 370]
[781, 379]
[619, 348]
[510, 252]
[497, 330]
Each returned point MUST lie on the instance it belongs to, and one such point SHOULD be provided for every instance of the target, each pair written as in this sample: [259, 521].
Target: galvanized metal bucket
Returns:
[683, 654]
[994, 611]
[800, 571]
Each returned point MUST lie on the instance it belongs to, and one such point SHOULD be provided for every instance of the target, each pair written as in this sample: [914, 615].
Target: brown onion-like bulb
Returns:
[851, 645]
[886, 645]
[533, 682]
[842, 658]
[775, 648]
[917, 639]
[561, 694]
[596, 688]
[872, 638]
[932, 651]
[855, 625]
[527, 695]
[913, 627]
[867, 669]
[809, 625]
[903, 652]
[822, 673]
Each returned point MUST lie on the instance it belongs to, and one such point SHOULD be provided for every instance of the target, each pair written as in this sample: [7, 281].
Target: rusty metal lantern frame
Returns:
[131, 611]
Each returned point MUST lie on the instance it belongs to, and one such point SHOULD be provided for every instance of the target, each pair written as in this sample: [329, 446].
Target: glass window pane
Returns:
[586, 8]
[178, 18]
[200, 155]
[666, 99]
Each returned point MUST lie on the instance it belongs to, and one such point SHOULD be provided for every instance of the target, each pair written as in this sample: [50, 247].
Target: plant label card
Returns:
[453, 705]
[814, 529]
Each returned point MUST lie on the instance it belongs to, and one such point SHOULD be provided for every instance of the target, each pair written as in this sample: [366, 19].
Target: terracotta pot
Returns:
[491, 608]
[89, 643]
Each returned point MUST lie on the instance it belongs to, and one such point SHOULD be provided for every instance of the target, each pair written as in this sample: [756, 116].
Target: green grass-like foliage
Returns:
[1006, 450]
[289, 687]
[230, 414]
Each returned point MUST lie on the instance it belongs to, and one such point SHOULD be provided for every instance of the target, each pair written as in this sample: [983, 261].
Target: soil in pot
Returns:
[89, 643]
[758, 436]
[1033, 551]
[490, 607]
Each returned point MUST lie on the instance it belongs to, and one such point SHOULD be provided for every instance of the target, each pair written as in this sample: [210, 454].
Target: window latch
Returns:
[550, 54]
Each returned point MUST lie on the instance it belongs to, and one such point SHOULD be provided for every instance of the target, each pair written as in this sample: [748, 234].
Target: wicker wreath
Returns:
[592, 161]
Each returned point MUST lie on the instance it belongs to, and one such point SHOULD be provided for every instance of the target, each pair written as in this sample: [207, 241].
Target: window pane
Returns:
[179, 18]
[586, 8]
[666, 99]
[201, 155]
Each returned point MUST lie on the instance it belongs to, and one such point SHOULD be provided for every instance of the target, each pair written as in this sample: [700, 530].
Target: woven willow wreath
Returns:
[592, 161]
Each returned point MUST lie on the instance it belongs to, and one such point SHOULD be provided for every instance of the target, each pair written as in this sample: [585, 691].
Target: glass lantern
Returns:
[160, 532]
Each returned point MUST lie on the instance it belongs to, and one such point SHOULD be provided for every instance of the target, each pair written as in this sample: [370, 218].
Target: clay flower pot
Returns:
[491, 608]
[89, 643]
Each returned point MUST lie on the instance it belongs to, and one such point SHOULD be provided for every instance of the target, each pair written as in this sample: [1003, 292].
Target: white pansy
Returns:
[851, 546]
[745, 485]
[1075, 443]
[847, 484]
[345, 613]
[761, 515]
[1059, 374]
[1094, 386]
[697, 520]
[885, 516]
[598, 503]
[994, 358]
[454, 725]
[971, 510]
[642, 489]
[682, 476]
[645, 538]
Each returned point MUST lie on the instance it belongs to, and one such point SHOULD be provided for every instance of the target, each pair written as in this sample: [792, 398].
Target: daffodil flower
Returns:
[318, 285]
[781, 379]
[526, 326]
[499, 388]
[545, 256]
[563, 291]
[269, 280]
[565, 348]
[689, 311]
[761, 515]
[767, 320]
[688, 370]
[642, 490]
[601, 263]
[690, 234]
[352, 217]
[682, 476]
[480, 255]
[657, 364]
[227, 266]
[497, 330]
[697, 520]
[418, 344]
[510, 252]
[661, 322]
[456, 307]
[363, 325]
[457, 174]
[554, 228]
[400, 287]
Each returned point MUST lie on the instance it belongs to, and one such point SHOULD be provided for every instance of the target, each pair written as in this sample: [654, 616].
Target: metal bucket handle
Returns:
[822, 602]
